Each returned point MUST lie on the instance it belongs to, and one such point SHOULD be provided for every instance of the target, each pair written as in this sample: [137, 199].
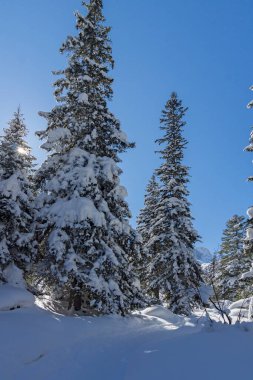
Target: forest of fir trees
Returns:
[66, 225]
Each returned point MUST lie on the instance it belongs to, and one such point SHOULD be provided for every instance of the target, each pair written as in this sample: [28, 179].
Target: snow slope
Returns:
[151, 345]
[203, 255]
[12, 297]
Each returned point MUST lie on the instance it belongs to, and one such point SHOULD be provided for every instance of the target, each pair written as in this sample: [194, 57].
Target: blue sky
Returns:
[200, 48]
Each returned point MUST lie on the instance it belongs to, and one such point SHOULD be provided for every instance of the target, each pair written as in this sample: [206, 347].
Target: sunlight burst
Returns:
[21, 150]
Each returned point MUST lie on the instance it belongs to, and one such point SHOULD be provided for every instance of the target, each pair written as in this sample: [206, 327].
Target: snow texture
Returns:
[14, 276]
[57, 134]
[248, 274]
[66, 212]
[205, 291]
[250, 212]
[12, 297]
[249, 233]
[151, 344]
[83, 98]
[240, 303]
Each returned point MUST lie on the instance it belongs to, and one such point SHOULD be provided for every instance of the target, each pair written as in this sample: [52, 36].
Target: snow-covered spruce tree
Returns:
[175, 275]
[86, 245]
[247, 277]
[249, 236]
[209, 272]
[148, 212]
[233, 261]
[145, 221]
[16, 197]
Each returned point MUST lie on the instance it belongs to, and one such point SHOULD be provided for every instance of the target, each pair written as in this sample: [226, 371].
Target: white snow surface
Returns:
[10, 188]
[249, 233]
[83, 98]
[153, 344]
[205, 292]
[12, 297]
[248, 274]
[57, 134]
[243, 303]
[241, 310]
[14, 276]
[250, 212]
[66, 212]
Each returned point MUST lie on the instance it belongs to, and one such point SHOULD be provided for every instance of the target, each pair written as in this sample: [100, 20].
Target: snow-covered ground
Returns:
[154, 344]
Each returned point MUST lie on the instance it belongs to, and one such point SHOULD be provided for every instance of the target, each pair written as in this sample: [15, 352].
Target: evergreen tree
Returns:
[248, 241]
[86, 246]
[174, 273]
[210, 272]
[147, 214]
[249, 236]
[233, 261]
[144, 223]
[16, 197]
[233, 235]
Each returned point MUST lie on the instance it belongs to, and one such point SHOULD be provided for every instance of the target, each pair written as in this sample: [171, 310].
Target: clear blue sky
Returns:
[200, 48]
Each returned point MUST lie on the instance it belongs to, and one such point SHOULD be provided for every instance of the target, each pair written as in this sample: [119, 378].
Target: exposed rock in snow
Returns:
[203, 255]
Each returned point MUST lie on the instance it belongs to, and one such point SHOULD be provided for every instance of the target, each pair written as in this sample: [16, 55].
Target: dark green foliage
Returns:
[87, 247]
[16, 197]
[233, 261]
[144, 225]
[174, 275]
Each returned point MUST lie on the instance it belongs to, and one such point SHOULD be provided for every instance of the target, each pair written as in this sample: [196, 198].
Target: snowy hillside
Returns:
[150, 345]
[203, 255]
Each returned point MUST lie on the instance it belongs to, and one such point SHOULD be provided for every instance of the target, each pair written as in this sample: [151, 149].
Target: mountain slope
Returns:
[203, 255]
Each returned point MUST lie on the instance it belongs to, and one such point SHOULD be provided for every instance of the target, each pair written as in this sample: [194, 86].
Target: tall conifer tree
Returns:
[233, 261]
[144, 224]
[249, 235]
[248, 241]
[174, 273]
[147, 214]
[87, 246]
[16, 197]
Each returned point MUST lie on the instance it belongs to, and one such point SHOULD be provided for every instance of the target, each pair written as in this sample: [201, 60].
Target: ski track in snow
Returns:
[151, 345]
